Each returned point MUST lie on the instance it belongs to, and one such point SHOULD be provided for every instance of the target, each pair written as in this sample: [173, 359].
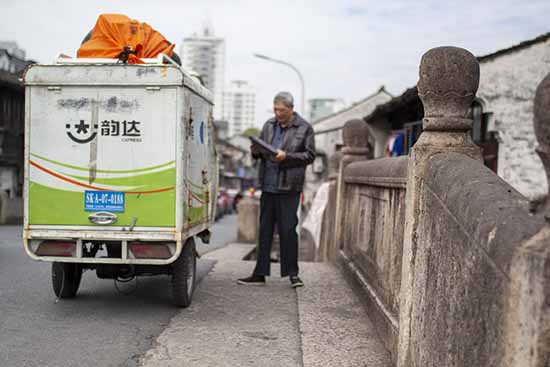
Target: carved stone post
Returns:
[356, 142]
[449, 78]
[356, 148]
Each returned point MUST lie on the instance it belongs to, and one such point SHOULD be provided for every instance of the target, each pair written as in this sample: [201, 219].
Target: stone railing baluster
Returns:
[448, 82]
[356, 148]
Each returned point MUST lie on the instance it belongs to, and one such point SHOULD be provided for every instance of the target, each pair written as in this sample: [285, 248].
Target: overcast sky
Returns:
[345, 49]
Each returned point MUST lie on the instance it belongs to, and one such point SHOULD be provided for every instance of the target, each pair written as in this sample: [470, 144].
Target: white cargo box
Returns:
[116, 153]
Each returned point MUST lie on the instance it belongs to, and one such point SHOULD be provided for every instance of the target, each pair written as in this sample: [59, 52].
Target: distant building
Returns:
[12, 122]
[328, 138]
[12, 58]
[204, 53]
[240, 141]
[222, 129]
[13, 49]
[239, 106]
[321, 107]
[235, 164]
[328, 130]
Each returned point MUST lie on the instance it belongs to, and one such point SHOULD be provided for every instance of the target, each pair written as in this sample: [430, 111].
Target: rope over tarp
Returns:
[115, 36]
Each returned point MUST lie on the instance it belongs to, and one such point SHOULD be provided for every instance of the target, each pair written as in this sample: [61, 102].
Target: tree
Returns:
[251, 131]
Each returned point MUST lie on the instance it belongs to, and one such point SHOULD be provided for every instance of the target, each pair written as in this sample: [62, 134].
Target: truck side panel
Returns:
[200, 172]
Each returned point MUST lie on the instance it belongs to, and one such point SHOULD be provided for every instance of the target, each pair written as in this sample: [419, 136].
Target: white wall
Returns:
[507, 89]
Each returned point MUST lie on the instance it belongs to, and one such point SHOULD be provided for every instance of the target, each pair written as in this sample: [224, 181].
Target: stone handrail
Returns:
[486, 209]
[383, 172]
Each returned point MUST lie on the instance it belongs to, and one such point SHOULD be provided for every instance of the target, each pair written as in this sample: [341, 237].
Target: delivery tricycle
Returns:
[120, 171]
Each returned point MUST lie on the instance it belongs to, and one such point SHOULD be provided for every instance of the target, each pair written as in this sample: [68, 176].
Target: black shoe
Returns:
[252, 280]
[296, 282]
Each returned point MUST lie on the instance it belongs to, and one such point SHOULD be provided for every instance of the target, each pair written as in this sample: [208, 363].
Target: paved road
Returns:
[101, 327]
[322, 324]
[224, 232]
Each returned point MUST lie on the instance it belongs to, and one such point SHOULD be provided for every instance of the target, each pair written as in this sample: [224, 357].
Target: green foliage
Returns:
[251, 131]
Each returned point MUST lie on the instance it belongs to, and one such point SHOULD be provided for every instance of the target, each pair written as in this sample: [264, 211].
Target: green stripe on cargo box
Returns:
[49, 206]
[145, 182]
[79, 168]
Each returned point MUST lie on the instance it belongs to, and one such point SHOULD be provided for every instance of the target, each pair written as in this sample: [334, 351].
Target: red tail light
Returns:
[149, 251]
[56, 248]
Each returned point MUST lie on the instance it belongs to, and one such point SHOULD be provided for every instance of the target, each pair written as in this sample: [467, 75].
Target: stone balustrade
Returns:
[453, 263]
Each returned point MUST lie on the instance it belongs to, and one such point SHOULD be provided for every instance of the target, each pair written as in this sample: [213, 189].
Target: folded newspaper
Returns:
[264, 147]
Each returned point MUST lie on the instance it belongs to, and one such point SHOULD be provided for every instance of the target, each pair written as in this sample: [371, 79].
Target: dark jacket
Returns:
[299, 146]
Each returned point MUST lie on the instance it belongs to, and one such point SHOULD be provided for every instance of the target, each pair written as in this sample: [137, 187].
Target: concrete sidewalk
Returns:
[322, 324]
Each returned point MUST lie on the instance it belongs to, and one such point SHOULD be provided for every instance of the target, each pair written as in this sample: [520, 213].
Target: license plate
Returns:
[109, 201]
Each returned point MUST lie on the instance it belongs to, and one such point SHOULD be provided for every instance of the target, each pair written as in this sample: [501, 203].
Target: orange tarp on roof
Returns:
[113, 32]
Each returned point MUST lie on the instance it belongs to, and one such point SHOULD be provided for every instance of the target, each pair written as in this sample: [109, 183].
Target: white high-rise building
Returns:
[204, 53]
[239, 106]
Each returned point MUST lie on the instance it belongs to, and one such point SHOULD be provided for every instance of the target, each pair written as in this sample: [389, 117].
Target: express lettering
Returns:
[83, 132]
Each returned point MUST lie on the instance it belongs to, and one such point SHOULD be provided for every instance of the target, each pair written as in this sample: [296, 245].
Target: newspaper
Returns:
[264, 147]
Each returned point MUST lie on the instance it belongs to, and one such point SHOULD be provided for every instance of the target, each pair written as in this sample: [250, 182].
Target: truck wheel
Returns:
[66, 279]
[184, 270]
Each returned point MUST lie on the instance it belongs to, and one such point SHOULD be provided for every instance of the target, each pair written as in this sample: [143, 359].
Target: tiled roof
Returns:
[519, 46]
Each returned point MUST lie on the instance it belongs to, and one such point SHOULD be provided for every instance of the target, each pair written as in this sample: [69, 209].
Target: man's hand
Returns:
[254, 149]
[281, 156]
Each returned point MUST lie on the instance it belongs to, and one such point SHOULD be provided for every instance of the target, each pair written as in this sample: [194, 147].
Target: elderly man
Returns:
[282, 179]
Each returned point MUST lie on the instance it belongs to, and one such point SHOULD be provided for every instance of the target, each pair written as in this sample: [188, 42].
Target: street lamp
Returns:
[267, 58]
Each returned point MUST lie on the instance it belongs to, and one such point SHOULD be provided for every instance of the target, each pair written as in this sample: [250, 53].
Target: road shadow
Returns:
[147, 292]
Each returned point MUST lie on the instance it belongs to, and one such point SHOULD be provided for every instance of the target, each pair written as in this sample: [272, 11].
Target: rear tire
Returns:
[184, 271]
[66, 279]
